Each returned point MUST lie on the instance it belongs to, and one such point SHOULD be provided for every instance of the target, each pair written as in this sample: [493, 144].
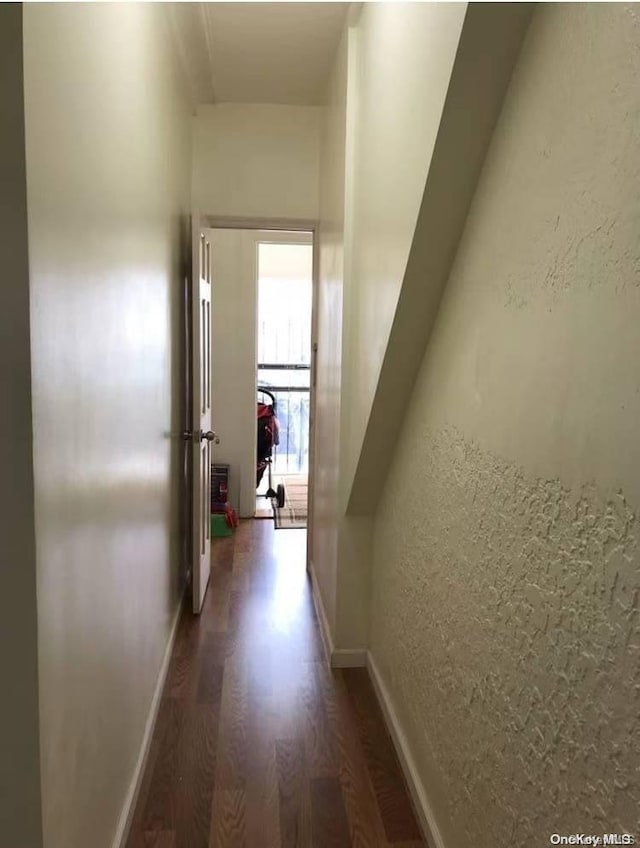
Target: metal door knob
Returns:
[210, 436]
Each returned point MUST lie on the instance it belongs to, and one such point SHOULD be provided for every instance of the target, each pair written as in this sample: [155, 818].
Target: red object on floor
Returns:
[231, 516]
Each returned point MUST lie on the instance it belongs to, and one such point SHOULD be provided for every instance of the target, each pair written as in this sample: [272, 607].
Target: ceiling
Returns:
[258, 52]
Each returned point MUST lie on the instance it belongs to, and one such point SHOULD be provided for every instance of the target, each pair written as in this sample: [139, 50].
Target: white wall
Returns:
[423, 85]
[404, 54]
[256, 160]
[506, 572]
[386, 97]
[329, 335]
[108, 170]
[233, 351]
[20, 817]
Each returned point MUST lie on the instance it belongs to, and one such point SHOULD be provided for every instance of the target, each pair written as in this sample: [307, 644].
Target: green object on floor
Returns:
[219, 526]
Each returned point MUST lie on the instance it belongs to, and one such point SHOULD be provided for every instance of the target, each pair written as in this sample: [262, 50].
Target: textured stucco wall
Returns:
[506, 577]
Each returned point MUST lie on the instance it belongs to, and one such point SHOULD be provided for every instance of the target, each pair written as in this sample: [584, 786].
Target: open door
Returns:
[201, 432]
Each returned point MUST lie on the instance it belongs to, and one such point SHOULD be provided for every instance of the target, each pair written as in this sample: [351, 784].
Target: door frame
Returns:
[292, 225]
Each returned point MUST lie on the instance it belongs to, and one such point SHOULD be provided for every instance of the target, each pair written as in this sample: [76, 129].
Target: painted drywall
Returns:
[257, 160]
[272, 52]
[419, 218]
[489, 45]
[404, 54]
[108, 176]
[233, 369]
[20, 818]
[329, 334]
[399, 62]
[398, 68]
[506, 579]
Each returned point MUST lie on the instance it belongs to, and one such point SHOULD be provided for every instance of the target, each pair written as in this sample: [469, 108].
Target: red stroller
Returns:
[268, 437]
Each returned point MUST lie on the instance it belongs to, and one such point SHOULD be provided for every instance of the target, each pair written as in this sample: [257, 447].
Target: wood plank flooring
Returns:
[258, 744]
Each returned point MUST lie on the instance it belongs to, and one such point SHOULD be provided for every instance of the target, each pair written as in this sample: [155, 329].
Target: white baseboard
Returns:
[417, 791]
[336, 657]
[325, 631]
[126, 817]
[349, 658]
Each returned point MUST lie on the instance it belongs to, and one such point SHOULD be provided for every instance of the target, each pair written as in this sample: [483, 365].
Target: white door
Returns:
[202, 434]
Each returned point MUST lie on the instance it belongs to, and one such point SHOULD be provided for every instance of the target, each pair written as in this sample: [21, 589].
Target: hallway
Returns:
[257, 743]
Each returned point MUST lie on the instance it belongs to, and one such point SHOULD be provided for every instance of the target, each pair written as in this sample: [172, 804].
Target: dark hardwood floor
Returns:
[258, 744]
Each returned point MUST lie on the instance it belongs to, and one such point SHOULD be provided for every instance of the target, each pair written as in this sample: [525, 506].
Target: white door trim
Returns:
[287, 231]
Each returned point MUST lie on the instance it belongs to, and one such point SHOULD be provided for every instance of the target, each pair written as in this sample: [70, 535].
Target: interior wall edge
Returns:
[488, 50]
[325, 628]
[349, 658]
[20, 763]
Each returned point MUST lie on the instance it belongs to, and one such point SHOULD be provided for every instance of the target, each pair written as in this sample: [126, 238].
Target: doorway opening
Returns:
[283, 373]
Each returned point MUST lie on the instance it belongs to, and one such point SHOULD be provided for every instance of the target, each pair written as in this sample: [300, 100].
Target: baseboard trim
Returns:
[325, 631]
[349, 658]
[126, 817]
[417, 791]
[335, 657]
